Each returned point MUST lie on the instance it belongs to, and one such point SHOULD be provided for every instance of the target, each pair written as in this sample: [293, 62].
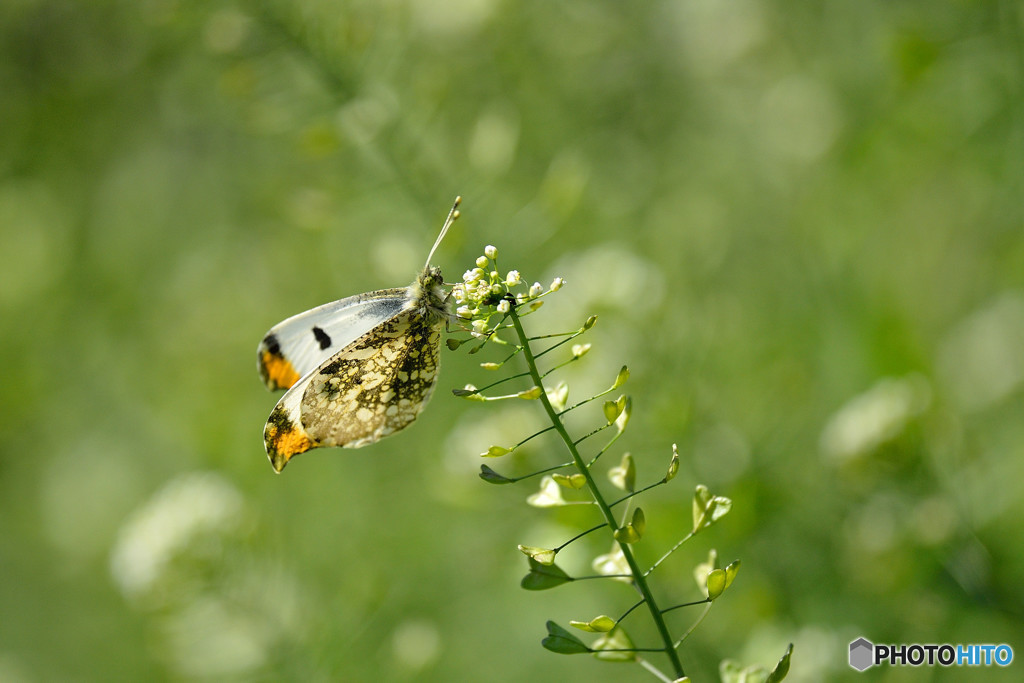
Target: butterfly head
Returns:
[428, 295]
[430, 278]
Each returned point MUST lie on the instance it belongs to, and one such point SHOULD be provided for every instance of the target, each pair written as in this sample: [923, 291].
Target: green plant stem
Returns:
[639, 579]
[671, 550]
[572, 335]
[635, 493]
[539, 472]
[707, 608]
[653, 669]
[579, 536]
[686, 604]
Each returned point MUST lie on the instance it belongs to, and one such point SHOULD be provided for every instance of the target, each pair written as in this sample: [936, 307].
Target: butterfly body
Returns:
[355, 370]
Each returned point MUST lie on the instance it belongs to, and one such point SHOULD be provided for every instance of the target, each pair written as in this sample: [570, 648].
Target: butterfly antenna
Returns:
[452, 216]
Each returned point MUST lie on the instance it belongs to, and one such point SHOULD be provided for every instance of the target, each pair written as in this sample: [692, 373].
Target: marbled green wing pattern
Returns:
[380, 381]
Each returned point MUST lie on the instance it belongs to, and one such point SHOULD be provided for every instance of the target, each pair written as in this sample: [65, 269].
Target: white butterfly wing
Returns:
[370, 386]
[373, 387]
[295, 347]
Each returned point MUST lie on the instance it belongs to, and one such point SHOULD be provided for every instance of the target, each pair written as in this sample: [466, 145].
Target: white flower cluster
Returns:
[484, 292]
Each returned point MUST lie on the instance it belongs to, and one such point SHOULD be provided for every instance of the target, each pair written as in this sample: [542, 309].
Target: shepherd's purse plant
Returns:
[491, 305]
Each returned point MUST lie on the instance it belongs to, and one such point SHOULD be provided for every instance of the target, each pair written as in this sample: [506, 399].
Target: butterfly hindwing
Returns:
[298, 345]
[381, 381]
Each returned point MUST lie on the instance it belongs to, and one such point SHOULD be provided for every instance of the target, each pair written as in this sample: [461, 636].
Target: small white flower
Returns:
[176, 520]
[701, 571]
[512, 278]
[464, 312]
[536, 289]
[480, 325]
[491, 251]
[578, 350]
[459, 294]
[549, 495]
[503, 306]
[471, 276]
[481, 262]
[556, 284]
[613, 564]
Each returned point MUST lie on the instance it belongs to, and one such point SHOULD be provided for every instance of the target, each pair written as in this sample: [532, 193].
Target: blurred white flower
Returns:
[981, 359]
[701, 571]
[613, 564]
[209, 638]
[415, 643]
[550, 494]
[878, 415]
[186, 508]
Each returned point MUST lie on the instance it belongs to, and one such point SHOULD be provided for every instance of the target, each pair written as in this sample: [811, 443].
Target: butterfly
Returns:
[357, 369]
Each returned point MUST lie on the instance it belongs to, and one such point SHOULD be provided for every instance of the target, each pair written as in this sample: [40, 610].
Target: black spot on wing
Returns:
[322, 338]
[272, 345]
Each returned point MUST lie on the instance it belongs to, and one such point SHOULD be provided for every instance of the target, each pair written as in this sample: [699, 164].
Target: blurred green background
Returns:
[799, 222]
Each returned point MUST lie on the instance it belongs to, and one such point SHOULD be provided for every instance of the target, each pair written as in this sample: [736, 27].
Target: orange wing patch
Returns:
[277, 372]
[284, 439]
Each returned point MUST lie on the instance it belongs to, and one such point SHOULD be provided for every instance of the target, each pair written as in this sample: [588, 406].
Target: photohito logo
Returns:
[865, 654]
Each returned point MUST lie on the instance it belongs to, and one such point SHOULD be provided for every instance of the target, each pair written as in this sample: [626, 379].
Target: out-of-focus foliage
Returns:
[800, 223]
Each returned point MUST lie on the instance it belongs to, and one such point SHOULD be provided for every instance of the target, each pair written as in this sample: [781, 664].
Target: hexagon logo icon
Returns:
[862, 654]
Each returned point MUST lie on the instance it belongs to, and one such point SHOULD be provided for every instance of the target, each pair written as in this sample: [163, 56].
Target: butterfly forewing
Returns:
[300, 344]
